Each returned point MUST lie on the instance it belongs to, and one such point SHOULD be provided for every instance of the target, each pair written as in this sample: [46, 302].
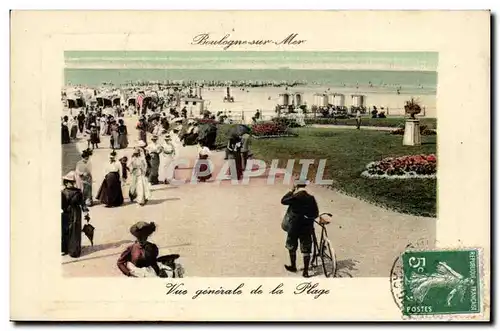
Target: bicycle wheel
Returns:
[328, 258]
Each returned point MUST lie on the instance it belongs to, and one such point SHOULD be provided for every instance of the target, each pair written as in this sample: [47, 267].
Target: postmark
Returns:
[441, 282]
[396, 275]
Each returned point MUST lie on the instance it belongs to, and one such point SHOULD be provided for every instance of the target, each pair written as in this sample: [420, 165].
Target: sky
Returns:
[406, 61]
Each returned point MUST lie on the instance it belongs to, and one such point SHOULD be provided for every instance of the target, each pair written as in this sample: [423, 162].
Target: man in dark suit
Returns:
[302, 211]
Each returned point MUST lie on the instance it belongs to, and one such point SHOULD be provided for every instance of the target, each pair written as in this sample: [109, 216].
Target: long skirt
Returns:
[104, 129]
[155, 164]
[122, 141]
[143, 136]
[110, 192]
[65, 139]
[94, 138]
[84, 183]
[163, 172]
[139, 189]
[71, 232]
[114, 136]
[74, 132]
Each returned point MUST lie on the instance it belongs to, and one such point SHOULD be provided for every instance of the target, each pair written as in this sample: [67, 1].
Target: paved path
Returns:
[333, 126]
[224, 230]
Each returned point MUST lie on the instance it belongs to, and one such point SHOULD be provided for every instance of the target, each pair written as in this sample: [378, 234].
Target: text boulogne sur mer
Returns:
[226, 42]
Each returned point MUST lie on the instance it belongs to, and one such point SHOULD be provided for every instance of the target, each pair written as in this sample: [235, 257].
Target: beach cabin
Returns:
[358, 100]
[320, 100]
[194, 106]
[336, 99]
[284, 99]
[299, 100]
[74, 101]
[106, 100]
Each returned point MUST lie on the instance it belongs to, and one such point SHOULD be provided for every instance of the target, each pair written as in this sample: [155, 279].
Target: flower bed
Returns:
[403, 167]
[271, 130]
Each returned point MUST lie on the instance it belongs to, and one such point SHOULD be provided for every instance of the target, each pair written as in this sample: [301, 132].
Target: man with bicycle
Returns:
[302, 210]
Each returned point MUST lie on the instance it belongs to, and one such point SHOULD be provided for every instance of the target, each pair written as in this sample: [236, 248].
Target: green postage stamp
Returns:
[441, 282]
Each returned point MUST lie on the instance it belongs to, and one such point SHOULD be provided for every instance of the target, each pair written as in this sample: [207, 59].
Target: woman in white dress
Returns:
[166, 159]
[103, 126]
[139, 186]
[176, 141]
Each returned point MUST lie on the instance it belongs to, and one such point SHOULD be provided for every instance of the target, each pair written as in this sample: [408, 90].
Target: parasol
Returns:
[239, 130]
[88, 230]
[155, 116]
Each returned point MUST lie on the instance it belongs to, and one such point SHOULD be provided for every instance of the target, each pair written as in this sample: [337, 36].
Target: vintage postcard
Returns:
[250, 166]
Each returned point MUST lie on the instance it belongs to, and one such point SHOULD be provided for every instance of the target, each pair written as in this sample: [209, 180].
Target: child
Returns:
[202, 166]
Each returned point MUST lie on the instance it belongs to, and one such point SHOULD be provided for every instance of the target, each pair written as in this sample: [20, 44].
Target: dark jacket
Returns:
[301, 204]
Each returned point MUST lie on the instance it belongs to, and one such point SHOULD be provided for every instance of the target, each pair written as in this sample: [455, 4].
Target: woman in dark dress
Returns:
[142, 127]
[234, 153]
[139, 259]
[72, 206]
[122, 135]
[110, 192]
[65, 138]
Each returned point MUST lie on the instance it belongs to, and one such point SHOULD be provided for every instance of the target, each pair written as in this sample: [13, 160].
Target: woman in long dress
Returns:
[72, 206]
[176, 142]
[165, 174]
[110, 192]
[73, 126]
[65, 138]
[122, 135]
[139, 186]
[84, 177]
[113, 129]
[154, 150]
[103, 124]
[142, 127]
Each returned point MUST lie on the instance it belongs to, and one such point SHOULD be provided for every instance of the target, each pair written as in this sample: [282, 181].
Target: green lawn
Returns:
[347, 152]
[392, 122]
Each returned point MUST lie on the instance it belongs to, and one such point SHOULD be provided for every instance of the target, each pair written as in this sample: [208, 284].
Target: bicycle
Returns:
[323, 249]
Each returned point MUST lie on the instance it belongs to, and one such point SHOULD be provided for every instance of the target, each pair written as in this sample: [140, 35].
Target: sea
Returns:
[382, 72]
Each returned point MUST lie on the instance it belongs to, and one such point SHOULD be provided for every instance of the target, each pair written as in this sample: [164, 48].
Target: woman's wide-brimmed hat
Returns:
[70, 176]
[142, 229]
[141, 143]
[93, 124]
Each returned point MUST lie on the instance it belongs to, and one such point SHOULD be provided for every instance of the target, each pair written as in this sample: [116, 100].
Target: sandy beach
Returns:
[266, 99]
